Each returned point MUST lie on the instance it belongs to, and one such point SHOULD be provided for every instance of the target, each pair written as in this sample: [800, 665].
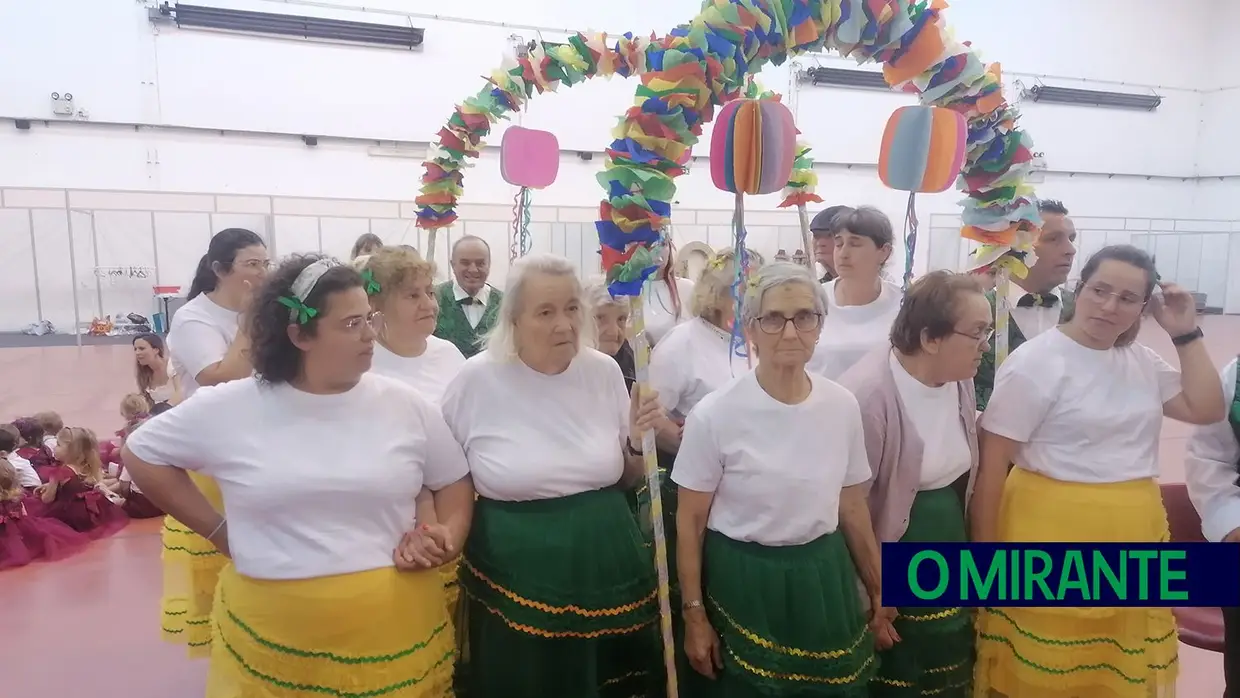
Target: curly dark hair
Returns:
[276, 359]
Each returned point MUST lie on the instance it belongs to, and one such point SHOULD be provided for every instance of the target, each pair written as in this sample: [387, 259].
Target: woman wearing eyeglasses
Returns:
[319, 462]
[1076, 413]
[918, 411]
[207, 345]
[773, 524]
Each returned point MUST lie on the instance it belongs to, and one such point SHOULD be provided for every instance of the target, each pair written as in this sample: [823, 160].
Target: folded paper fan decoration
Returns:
[923, 150]
[753, 147]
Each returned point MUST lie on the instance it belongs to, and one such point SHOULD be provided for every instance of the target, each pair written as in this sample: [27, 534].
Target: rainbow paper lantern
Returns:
[752, 147]
[923, 149]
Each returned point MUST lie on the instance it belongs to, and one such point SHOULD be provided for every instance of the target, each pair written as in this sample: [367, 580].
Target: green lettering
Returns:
[1167, 575]
[915, 586]
[1102, 568]
[1037, 576]
[970, 579]
[1072, 576]
[1143, 559]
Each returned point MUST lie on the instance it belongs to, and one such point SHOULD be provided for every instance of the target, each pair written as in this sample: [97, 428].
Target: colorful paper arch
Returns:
[708, 62]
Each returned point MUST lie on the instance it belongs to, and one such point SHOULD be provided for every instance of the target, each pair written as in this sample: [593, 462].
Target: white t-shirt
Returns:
[126, 477]
[26, 474]
[659, 313]
[314, 485]
[776, 469]
[1210, 468]
[935, 414]
[1081, 414]
[849, 332]
[693, 360]
[429, 374]
[532, 436]
[200, 335]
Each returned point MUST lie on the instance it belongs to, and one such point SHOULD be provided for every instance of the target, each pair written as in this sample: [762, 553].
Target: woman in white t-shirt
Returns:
[861, 303]
[919, 414]
[560, 589]
[773, 523]
[664, 303]
[1078, 410]
[319, 462]
[206, 348]
[401, 285]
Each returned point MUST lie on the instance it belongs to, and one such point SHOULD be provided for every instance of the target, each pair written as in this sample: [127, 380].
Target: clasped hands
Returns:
[425, 547]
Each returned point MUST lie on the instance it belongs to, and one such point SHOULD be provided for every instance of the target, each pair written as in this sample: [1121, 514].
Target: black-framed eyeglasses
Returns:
[804, 321]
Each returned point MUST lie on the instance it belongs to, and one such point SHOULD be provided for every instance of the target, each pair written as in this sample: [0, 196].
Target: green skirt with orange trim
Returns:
[559, 600]
[935, 654]
[790, 619]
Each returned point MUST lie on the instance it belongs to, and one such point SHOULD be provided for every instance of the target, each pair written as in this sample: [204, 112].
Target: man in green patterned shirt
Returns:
[468, 305]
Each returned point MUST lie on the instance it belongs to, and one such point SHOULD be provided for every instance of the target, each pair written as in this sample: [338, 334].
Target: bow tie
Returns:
[469, 300]
[1038, 300]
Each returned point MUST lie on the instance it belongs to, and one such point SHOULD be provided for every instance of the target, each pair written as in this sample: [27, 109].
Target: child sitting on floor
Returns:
[32, 447]
[26, 476]
[73, 492]
[25, 537]
[52, 424]
[136, 504]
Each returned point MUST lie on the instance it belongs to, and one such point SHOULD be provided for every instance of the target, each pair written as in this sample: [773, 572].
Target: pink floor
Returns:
[90, 624]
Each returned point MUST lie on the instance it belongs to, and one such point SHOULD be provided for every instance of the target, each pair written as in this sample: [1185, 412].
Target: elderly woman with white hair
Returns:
[560, 588]
[611, 328]
[774, 528]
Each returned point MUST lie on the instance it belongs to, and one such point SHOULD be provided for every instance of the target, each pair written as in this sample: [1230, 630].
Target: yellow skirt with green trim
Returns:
[1077, 652]
[191, 569]
[375, 634]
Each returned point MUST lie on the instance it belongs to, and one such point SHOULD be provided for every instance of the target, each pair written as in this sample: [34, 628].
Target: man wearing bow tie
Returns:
[468, 305]
[1037, 301]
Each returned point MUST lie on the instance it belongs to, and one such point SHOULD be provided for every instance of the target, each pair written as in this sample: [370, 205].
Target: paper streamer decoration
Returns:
[922, 151]
[529, 159]
[753, 147]
[707, 62]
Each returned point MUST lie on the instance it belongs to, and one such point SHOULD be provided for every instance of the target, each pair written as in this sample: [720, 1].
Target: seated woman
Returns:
[74, 491]
[1078, 410]
[318, 495]
[157, 381]
[560, 589]
[919, 415]
[771, 467]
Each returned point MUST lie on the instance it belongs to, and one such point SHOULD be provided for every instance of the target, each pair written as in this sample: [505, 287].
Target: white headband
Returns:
[304, 285]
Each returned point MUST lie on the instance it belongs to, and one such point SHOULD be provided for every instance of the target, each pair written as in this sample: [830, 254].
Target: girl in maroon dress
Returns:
[72, 491]
[25, 537]
[32, 447]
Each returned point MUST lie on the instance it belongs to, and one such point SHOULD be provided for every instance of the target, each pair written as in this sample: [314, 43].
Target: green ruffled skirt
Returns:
[936, 651]
[560, 601]
[790, 619]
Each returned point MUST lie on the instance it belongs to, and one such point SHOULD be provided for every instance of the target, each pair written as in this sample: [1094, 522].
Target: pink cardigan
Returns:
[892, 443]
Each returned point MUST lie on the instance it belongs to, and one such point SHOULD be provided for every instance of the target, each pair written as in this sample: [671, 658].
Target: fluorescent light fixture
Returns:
[1091, 98]
[836, 77]
[295, 26]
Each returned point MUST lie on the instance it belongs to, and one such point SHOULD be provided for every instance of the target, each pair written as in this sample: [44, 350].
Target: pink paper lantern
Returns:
[529, 158]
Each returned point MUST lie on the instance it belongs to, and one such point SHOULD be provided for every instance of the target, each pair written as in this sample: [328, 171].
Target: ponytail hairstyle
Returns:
[667, 273]
[219, 258]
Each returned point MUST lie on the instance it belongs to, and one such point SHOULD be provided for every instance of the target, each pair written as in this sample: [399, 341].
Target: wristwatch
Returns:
[1188, 338]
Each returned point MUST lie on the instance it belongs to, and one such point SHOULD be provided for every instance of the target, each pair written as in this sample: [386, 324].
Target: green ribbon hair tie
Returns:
[372, 286]
[300, 311]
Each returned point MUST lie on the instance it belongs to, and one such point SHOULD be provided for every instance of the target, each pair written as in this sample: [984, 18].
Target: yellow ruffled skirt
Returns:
[191, 567]
[380, 633]
[1077, 652]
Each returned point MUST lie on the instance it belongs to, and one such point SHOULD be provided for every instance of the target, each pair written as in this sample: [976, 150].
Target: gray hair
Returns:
[597, 295]
[778, 274]
[501, 342]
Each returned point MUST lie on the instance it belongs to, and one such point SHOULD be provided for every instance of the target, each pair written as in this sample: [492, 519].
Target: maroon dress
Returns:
[82, 506]
[25, 537]
[41, 459]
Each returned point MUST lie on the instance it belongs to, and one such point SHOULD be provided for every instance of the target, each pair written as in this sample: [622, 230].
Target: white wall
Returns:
[170, 110]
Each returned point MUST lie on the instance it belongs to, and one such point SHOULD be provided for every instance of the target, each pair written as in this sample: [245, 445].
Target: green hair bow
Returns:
[298, 310]
[372, 286]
